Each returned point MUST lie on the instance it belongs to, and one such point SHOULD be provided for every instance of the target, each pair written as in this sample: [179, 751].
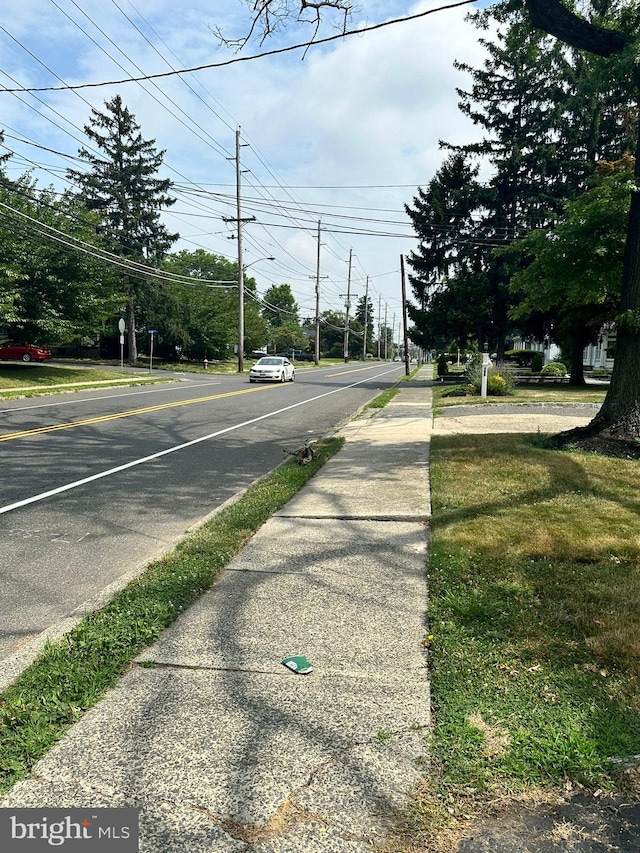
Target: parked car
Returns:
[273, 368]
[24, 352]
[297, 355]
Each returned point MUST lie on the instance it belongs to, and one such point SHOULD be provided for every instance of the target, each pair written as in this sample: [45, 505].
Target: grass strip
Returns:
[534, 621]
[31, 380]
[74, 672]
[382, 399]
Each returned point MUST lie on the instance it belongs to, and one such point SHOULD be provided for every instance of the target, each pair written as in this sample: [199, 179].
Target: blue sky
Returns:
[345, 134]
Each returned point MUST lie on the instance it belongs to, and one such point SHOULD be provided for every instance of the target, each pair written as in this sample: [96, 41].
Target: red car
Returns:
[24, 352]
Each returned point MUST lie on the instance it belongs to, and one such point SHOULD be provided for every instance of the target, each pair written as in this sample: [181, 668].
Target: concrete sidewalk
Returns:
[225, 749]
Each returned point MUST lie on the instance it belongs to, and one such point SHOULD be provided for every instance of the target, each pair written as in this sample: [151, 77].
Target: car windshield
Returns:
[270, 361]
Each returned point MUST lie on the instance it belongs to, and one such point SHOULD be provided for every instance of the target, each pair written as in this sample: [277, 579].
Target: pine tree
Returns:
[449, 257]
[548, 114]
[122, 184]
[364, 316]
[519, 97]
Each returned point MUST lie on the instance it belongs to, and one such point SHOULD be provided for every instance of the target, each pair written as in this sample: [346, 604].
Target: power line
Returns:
[238, 59]
[131, 267]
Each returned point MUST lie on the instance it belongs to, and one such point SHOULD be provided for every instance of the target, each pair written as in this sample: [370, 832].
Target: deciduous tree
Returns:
[619, 417]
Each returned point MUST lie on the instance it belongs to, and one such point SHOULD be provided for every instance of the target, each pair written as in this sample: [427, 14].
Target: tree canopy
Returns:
[52, 287]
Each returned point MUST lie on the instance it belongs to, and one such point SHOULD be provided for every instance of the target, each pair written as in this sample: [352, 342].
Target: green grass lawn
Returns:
[31, 379]
[534, 637]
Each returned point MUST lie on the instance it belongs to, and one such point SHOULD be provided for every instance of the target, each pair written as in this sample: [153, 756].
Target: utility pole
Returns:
[317, 353]
[386, 332]
[404, 317]
[347, 306]
[366, 317]
[393, 335]
[239, 220]
[379, 323]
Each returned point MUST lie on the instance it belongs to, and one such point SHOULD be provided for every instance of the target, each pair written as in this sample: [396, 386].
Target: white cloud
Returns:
[366, 110]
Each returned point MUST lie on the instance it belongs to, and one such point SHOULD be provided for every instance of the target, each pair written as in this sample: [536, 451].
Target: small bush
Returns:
[443, 367]
[536, 362]
[496, 384]
[500, 378]
[554, 368]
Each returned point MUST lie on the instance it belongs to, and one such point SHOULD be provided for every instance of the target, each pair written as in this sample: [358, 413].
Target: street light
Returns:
[241, 269]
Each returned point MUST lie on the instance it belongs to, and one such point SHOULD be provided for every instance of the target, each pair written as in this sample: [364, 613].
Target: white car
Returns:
[272, 368]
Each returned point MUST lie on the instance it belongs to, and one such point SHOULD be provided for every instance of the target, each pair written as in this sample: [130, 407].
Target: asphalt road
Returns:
[95, 484]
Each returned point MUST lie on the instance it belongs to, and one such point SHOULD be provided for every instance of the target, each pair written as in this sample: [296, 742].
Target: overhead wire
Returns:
[130, 266]
[239, 59]
[295, 208]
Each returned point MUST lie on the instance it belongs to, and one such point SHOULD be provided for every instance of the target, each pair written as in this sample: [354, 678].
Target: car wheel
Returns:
[26, 357]
[251, 380]
[282, 377]
[293, 376]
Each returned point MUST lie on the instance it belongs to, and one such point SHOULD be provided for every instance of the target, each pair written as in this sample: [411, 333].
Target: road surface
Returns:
[96, 484]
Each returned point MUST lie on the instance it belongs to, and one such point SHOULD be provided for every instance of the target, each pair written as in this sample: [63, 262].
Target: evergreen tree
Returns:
[548, 114]
[519, 98]
[364, 317]
[443, 219]
[122, 185]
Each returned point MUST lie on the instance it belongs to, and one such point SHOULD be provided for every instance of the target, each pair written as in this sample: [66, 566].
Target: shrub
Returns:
[443, 367]
[500, 378]
[554, 368]
[536, 362]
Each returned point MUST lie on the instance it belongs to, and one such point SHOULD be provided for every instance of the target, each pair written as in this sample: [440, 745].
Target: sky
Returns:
[343, 133]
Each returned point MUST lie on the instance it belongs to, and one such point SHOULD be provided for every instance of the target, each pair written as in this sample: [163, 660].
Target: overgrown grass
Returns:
[74, 672]
[382, 399]
[535, 618]
[522, 394]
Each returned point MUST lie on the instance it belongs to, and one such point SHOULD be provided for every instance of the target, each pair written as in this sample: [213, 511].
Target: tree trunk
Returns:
[577, 365]
[555, 18]
[131, 332]
[619, 417]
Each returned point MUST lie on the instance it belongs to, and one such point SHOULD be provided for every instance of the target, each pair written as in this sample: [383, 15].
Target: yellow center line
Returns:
[128, 414]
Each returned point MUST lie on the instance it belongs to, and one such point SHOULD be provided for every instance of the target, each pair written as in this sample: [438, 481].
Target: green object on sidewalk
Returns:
[298, 664]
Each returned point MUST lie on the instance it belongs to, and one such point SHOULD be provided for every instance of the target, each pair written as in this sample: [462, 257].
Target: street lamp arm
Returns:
[246, 266]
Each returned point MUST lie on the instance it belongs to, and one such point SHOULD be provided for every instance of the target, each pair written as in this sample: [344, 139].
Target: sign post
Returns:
[152, 332]
[121, 328]
[486, 362]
